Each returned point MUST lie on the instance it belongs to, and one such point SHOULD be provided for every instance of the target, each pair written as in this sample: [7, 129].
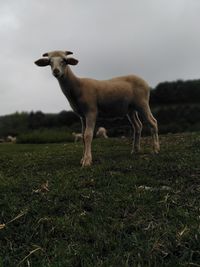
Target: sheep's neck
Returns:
[70, 85]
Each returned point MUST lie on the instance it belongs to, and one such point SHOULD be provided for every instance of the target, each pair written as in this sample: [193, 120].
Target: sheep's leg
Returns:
[105, 135]
[83, 124]
[152, 123]
[88, 136]
[137, 129]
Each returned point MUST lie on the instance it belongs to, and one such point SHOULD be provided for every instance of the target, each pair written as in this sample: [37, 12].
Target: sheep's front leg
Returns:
[88, 136]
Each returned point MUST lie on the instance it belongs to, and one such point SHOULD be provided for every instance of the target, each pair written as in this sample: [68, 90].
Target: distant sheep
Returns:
[77, 136]
[120, 96]
[11, 139]
[101, 132]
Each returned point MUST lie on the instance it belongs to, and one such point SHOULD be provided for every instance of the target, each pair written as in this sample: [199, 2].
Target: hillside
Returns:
[140, 210]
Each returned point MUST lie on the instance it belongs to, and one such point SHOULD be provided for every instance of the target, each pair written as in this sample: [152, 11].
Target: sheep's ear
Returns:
[68, 53]
[71, 61]
[42, 62]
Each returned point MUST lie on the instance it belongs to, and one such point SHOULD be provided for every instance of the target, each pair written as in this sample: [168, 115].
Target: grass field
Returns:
[141, 210]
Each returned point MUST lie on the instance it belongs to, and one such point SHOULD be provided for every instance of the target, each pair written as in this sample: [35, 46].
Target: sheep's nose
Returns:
[56, 72]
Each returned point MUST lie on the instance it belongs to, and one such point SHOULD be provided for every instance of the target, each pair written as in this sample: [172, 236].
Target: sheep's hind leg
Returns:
[83, 124]
[137, 129]
[152, 123]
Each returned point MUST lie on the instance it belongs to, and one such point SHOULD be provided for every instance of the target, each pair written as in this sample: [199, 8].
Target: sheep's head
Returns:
[58, 61]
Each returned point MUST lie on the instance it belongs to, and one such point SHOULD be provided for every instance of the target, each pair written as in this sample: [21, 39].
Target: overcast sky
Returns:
[158, 40]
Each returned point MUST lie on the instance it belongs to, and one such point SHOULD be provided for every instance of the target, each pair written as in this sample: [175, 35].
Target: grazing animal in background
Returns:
[11, 139]
[101, 132]
[120, 96]
[77, 136]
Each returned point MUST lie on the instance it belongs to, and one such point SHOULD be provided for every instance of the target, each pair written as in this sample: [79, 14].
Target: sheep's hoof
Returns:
[156, 150]
[86, 162]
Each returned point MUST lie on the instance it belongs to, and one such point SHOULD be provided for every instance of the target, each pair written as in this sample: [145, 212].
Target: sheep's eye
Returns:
[63, 62]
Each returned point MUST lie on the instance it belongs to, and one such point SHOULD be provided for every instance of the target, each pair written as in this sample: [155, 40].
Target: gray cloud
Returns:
[155, 39]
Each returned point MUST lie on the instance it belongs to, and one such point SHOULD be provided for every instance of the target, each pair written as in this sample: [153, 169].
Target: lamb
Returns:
[77, 136]
[101, 132]
[89, 98]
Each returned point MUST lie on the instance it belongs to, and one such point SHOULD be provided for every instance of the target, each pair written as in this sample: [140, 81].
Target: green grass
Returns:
[43, 136]
[125, 210]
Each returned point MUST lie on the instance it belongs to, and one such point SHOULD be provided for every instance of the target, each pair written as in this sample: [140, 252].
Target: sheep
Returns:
[89, 98]
[77, 136]
[101, 132]
[11, 139]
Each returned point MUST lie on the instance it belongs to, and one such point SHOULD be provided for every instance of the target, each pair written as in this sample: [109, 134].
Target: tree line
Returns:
[176, 92]
[176, 105]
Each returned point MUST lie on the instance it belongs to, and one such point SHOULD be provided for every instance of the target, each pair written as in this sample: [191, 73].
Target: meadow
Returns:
[126, 210]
